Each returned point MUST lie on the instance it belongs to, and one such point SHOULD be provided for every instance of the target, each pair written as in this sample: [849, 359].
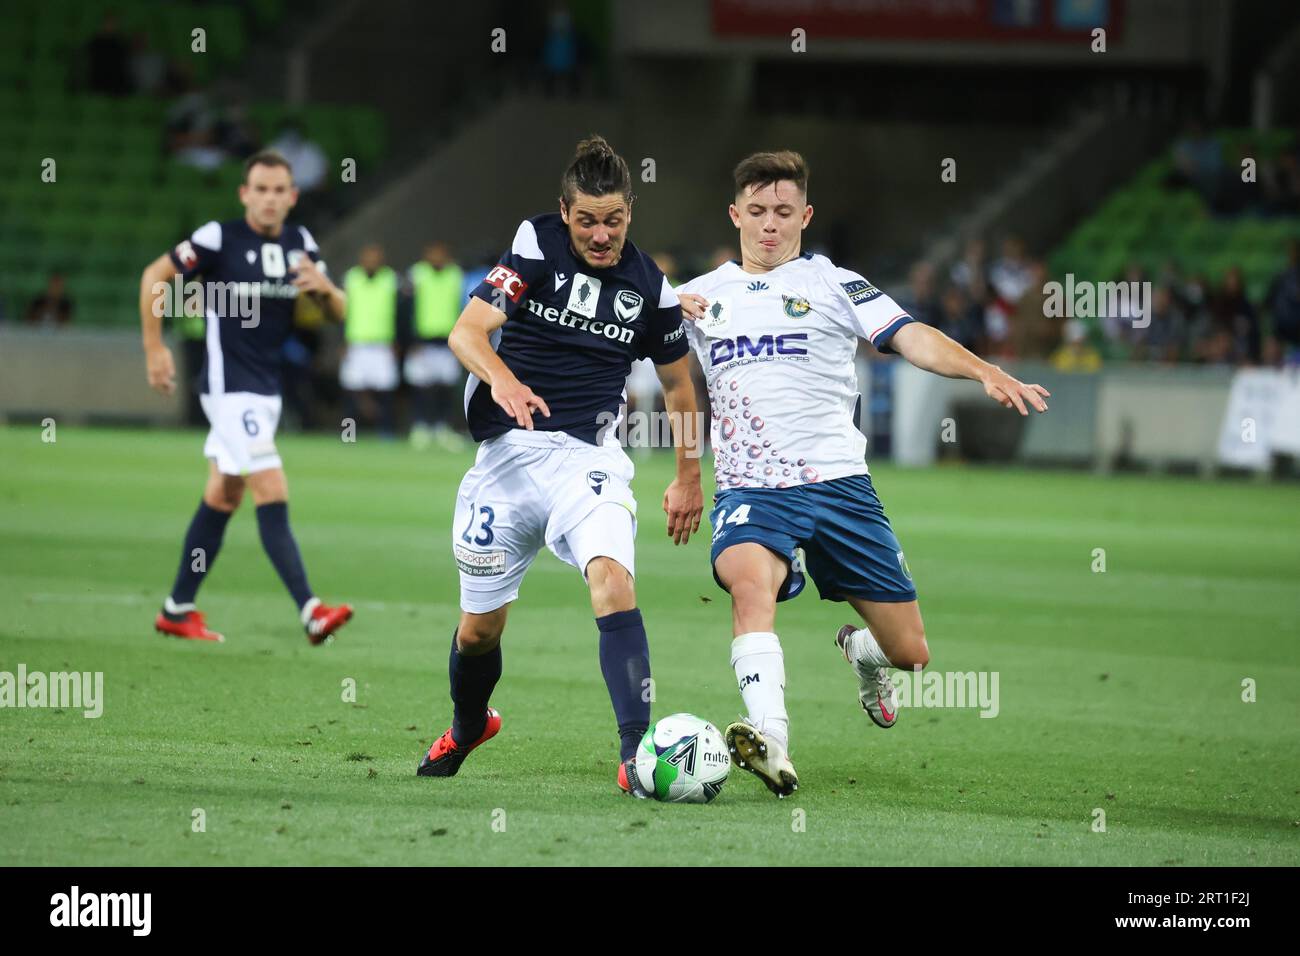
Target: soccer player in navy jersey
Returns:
[549, 337]
[252, 269]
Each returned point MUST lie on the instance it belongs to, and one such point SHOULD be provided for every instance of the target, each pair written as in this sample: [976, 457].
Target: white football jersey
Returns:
[778, 352]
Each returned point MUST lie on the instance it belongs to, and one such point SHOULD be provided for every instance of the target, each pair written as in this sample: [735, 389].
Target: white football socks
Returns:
[760, 674]
[864, 649]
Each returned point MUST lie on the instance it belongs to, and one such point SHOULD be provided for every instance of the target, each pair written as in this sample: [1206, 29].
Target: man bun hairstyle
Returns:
[597, 171]
[759, 170]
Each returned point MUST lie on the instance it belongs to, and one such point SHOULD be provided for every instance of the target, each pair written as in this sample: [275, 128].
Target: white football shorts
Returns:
[369, 366]
[431, 364]
[529, 489]
[242, 437]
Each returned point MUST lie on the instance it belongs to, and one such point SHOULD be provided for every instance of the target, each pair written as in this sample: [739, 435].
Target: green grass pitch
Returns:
[1119, 690]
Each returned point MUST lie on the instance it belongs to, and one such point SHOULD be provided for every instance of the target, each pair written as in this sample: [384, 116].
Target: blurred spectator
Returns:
[721, 256]
[1198, 161]
[368, 371]
[667, 264]
[961, 319]
[1284, 303]
[1074, 353]
[921, 299]
[970, 273]
[430, 368]
[192, 127]
[309, 162]
[1235, 316]
[107, 57]
[1164, 340]
[52, 308]
[148, 67]
[560, 53]
[1033, 334]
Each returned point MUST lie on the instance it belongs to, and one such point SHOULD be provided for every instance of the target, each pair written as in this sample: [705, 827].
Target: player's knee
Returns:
[224, 495]
[479, 634]
[751, 594]
[611, 585]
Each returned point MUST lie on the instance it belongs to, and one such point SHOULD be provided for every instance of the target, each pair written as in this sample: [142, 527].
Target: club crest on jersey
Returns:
[795, 307]
[251, 256]
[627, 305]
[583, 296]
[596, 480]
[295, 258]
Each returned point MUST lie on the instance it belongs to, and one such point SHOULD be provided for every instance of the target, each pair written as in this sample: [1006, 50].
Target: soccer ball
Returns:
[682, 759]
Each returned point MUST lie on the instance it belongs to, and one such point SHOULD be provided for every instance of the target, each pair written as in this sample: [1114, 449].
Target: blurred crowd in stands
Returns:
[997, 307]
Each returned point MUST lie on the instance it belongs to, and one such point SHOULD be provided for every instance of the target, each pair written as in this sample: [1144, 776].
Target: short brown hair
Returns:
[265, 157]
[597, 171]
[764, 169]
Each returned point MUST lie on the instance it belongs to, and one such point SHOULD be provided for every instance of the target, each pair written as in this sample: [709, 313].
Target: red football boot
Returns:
[324, 621]
[191, 626]
[445, 757]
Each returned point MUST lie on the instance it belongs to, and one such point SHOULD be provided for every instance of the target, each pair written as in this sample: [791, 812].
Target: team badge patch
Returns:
[596, 480]
[860, 291]
[795, 307]
[902, 566]
[583, 296]
[627, 305]
[717, 317]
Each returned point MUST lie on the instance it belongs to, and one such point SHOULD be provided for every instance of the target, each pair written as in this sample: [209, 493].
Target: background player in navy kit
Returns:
[263, 263]
[554, 329]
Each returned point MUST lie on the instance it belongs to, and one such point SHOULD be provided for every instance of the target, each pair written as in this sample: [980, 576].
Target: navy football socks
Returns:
[625, 662]
[202, 542]
[282, 549]
[473, 678]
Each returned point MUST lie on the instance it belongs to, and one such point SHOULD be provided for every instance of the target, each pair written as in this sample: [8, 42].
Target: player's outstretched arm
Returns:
[159, 366]
[928, 348]
[683, 500]
[471, 341]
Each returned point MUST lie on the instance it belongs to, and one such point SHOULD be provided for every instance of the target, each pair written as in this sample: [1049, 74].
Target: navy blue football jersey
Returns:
[573, 331]
[249, 296]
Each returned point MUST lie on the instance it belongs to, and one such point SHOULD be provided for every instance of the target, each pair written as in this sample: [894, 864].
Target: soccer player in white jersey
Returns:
[777, 334]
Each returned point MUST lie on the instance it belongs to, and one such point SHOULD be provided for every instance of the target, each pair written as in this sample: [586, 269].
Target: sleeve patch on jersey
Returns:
[186, 254]
[860, 291]
[674, 335]
[508, 281]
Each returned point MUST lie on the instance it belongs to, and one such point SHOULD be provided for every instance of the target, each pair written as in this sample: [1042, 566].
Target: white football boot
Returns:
[876, 691]
[764, 757]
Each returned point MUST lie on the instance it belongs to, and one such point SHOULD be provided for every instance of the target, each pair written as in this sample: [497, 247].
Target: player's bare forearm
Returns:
[335, 302]
[929, 349]
[683, 499]
[153, 299]
[471, 342]
[683, 413]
